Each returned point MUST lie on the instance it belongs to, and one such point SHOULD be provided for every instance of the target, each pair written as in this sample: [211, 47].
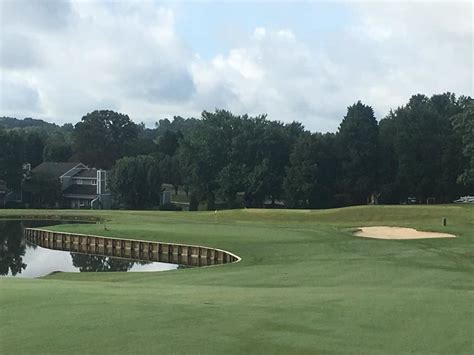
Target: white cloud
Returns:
[259, 33]
[17, 92]
[274, 73]
[120, 55]
[61, 60]
[393, 51]
[417, 48]
[44, 15]
[287, 34]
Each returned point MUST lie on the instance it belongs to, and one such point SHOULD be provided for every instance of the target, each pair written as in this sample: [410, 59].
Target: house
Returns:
[81, 186]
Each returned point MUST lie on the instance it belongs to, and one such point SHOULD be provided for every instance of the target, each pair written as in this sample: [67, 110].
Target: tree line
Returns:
[423, 151]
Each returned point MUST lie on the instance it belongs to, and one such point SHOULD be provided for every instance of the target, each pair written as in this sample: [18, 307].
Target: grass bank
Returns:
[304, 285]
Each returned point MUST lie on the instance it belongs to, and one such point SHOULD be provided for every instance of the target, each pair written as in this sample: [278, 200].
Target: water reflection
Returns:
[86, 262]
[12, 248]
[21, 258]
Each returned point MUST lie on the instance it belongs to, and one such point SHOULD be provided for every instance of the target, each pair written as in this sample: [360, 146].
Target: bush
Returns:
[14, 204]
[170, 207]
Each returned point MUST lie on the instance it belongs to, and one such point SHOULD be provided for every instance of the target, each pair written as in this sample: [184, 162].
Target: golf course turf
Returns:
[305, 284]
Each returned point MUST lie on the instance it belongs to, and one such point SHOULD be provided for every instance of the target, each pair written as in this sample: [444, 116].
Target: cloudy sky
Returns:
[303, 61]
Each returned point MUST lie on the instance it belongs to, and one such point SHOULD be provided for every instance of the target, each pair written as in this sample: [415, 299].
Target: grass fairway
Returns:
[304, 285]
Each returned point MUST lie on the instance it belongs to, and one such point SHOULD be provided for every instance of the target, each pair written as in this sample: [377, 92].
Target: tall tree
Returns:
[464, 124]
[57, 149]
[137, 181]
[11, 157]
[102, 137]
[145, 142]
[310, 177]
[204, 153]
[358, 138]
[34, 142]
[41, 191]
[428, 148]
[272, 158]
[388, 161]
[171, 170]
[168, 142]
[231, 180]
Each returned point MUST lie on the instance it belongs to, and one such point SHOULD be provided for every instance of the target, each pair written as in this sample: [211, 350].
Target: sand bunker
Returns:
[398, 233]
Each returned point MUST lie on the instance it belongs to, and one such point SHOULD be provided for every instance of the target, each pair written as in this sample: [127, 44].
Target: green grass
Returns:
[304, 285]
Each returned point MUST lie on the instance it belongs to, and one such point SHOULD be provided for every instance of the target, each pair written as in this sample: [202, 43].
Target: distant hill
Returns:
[10, 122]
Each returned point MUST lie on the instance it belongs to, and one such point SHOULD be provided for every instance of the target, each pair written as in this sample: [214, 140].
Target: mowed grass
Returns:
[304, 285]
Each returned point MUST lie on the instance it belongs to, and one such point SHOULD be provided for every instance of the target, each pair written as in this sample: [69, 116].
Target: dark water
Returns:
[21, 258]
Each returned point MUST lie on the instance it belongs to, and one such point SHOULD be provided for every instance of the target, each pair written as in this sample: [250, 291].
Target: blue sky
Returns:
[211, 28]
[295, 61]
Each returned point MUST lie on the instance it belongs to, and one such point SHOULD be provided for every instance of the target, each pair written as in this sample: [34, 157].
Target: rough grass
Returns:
[305, 285]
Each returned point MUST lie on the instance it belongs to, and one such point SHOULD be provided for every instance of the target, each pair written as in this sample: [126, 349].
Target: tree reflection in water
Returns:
[12, 247]
[94, 263]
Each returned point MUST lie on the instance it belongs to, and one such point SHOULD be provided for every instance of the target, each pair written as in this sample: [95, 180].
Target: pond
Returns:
[20, 258]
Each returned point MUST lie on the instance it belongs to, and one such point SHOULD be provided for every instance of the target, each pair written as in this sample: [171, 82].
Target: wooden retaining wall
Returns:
[182, 254]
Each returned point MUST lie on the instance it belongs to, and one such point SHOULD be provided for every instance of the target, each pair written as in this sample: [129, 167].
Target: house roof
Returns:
[53, 168]
[81, 190]
[87, 173]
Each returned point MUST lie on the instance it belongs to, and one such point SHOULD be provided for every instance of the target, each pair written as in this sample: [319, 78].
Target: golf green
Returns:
[305, 285]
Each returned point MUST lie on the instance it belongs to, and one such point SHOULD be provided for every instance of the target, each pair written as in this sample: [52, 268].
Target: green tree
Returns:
[41, 190]
[137, 181]
[428, 149]
[358, 138]
[275, 142]
[171, 171]
[388, 161]
[168, 142]
[11, 157]
[231, 180]
[57, 149]
[463, 123]
[225, 154]
[145, 142]
[310, 176]
[179, 125]
[204, 152]
[33, 142]
[102, 137]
